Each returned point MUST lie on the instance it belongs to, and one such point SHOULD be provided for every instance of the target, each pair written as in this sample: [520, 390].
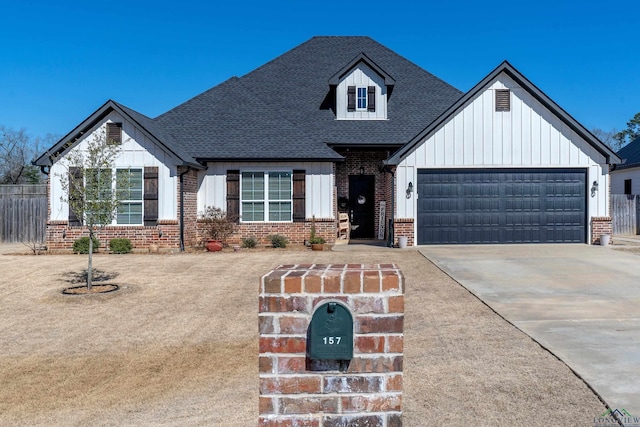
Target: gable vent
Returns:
[114, 133]
[503, 100]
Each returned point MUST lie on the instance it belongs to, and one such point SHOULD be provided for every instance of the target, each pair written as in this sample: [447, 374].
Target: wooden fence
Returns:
[23, 213]
[23, 191]
[625, 213]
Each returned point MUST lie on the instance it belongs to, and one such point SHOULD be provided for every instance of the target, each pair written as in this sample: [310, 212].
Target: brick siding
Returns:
[369, 391]
[404, 227]
[370, 160]
[60, 236]
[600, 225]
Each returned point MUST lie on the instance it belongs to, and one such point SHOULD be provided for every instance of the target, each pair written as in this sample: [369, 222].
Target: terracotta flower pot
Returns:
[213, 245]
[317, 246]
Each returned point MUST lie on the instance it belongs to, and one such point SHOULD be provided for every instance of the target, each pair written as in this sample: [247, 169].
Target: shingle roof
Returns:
[152, 129]
[630, 154]
[279, 110]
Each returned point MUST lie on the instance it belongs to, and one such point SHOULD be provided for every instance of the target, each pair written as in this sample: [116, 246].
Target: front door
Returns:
[362, 206]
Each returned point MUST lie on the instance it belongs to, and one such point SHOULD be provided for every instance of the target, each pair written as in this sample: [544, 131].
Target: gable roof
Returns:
[361, 57]
[507, 68]
[630, 155]
[142, 122]
[284, 109]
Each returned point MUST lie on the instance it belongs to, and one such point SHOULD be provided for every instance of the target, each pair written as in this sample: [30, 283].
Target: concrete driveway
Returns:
[581, 302]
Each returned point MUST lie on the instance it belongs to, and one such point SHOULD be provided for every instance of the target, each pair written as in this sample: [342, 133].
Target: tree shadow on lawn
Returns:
[80, 278]
[99, 280]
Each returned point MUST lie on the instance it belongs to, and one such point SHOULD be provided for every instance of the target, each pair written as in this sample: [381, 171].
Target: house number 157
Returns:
[331, 340]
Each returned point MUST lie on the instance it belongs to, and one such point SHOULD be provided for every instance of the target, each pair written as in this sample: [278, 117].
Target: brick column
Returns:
[369, 392]
[600, 225]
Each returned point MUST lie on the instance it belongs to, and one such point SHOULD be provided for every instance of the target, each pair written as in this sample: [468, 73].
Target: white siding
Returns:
[618, 177]
[137, 151]
[319, 184]
[362, 76]
[529, 135]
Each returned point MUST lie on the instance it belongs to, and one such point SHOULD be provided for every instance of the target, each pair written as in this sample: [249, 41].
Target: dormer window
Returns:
[361, 90]
[361, 98]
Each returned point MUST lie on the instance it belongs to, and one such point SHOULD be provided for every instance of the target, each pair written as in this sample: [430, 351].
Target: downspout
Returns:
[391, 238]
[182, 207]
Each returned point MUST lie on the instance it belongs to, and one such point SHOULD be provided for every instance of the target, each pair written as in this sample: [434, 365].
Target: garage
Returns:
[464, 206]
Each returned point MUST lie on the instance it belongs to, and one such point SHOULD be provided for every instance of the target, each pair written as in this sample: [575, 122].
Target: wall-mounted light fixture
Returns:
[594, 188]
[409, 189]
[361, 170]
[64, 234]
[159, 232]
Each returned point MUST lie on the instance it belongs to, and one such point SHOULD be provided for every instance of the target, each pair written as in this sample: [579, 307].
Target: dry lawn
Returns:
[177, 345]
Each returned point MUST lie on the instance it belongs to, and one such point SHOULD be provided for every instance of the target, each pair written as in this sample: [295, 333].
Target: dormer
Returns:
[362, 89]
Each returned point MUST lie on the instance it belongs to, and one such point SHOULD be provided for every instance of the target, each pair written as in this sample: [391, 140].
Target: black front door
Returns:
[361, 206]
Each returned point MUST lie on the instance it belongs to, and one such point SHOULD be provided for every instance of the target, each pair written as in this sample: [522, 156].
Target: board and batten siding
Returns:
[136, 151]
[319, 184]
[529, 135]
[361, 76]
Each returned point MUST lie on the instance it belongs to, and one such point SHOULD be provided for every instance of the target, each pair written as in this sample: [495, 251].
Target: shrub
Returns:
[120, 246]
[249, 242]
[217, 224]
[278, 241]
[317, 240]
[81, 245]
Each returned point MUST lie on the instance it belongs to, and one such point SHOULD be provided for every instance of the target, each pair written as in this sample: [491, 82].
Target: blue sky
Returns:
[60, 61]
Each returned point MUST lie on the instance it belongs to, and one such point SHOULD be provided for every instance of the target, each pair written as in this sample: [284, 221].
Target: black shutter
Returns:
[299, 214]
[351, 98]
[75, 194]
[150, 196]
[371, 98]
[233, 195]
[114, 133]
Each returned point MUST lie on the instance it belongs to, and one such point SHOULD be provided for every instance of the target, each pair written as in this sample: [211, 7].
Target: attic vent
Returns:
[114, 133]
[503, 100]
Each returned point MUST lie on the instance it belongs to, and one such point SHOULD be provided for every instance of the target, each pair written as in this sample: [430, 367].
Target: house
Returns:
[625, 177]
[343, 125]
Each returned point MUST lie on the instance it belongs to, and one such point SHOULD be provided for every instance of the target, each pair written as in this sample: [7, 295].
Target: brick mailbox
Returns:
[331, 345]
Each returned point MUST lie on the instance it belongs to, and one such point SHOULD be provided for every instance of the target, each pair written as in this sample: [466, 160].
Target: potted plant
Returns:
[316, 242]
[218, 227]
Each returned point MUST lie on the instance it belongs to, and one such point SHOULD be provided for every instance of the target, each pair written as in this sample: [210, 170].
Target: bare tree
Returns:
[88, 186]
[16, 152]
[608, 137]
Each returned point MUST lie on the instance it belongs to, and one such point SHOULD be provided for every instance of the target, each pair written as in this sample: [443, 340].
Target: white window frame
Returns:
[266, 200]
[131, 201]
[114, 174]
[366, 98]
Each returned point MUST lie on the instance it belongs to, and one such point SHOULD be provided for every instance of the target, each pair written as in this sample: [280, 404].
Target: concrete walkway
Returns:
[581, 302]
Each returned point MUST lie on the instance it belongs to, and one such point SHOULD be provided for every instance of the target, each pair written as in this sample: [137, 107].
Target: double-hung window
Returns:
[361, 98]
[266, 196]
[98, 186]
[129, 187]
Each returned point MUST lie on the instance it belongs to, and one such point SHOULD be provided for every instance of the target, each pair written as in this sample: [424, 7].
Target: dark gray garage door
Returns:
[502, 206]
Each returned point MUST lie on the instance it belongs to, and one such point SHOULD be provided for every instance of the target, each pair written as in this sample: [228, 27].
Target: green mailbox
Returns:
[330, 334]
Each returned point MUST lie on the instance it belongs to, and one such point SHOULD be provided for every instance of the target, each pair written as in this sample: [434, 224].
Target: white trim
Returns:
[266, 200]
